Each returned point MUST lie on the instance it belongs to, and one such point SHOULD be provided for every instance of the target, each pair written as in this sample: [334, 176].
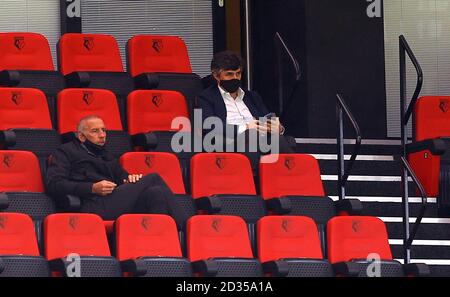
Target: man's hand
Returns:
[274, 126]
[258, 126]
[132, 178]
[103, 187]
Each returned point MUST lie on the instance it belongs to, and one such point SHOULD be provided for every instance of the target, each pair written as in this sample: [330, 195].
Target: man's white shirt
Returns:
[237, 112]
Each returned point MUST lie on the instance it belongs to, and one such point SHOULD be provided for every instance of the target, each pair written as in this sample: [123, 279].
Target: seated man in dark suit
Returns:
[86, 169]
[241, 109]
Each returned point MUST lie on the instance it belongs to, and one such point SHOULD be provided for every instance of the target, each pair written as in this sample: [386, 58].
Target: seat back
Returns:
[25, 51]
[356, 237]
[152, 53]
[145, 235]
[74, 104]
[165, 164]
[20, 172]
[291, 174]
[431, 120]
[221, 173]
[83, 234]
[17, 235]
[217, 236]
[23, 108]
[287, 237]
[432, 117]
[150, 110]
[89, 52]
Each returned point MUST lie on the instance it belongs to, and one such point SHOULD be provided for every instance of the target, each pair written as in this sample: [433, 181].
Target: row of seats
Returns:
[148, 245]
[93, 60]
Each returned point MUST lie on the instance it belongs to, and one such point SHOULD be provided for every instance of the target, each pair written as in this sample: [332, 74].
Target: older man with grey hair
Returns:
[86, 169]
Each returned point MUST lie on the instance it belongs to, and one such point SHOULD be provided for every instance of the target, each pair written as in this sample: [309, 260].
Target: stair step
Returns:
[425, 232]
[367, 188]
[393, 209]
[422, 252]
[362, 167]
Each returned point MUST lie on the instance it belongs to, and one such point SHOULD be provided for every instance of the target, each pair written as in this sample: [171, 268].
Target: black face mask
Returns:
[96, 149]
[231, 85]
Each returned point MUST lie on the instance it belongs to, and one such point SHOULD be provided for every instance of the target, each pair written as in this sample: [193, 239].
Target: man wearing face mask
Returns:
[86, 169]
[242, 109]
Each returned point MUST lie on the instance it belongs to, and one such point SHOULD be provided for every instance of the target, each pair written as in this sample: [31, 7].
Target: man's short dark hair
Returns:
[226, 60]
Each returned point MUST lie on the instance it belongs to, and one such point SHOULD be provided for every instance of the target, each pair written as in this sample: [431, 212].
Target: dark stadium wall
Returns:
[339, 48]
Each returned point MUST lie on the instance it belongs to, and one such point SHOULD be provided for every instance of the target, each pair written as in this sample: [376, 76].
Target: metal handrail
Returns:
[281, 45]
[343, 173]
[409, 240]
[405, 49]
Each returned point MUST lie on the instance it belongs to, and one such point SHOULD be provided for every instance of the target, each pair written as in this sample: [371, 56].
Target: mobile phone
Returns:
[268, 117]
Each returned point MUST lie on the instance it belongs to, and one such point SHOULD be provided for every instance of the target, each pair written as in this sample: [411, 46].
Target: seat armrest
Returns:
[436, 146]
[276, 268]
[79, 79]
[348, 206]
[4, 201]
[417, 269]
[9, 78]
[147, 81]
[70, 203]
[145, 140]
[349, 269]
[210, 204]
[134, 266]
[7, 138]
[205, 267]
[280, 205]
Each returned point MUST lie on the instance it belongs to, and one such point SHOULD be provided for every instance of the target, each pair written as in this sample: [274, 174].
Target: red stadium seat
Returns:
[290, 246]
[150, 110]
[25, 51]
[358, 239]
[26, 62]
[221, 173]
[152, 53]
[83, 235]
[93, 60]
[25, 122]
[165, 164]
[20, 172]
[74, 104]
[222, 183]
[89, 52]
[162, 62]
[292, 174]
[150, 241]
[431, 121]
[22, 189]
[222, 243]
[168, 167]
[19, 252]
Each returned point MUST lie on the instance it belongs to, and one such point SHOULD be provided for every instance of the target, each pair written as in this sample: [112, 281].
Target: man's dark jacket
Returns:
[73, 169]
